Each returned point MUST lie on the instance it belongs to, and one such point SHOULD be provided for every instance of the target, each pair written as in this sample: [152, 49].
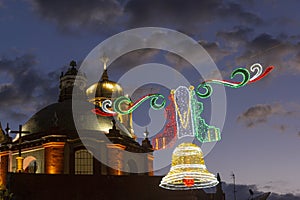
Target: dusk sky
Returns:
[261, 136]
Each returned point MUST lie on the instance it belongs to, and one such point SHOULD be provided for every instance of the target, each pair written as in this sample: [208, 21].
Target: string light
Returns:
[258, 68]
[183, 112]
[153, 103]
[105, 104]
[186, 121]
[203, 132]
[99, 112]
[265, 73]
[242, 71]
[170, 130]
[184, 117]
[188, 170]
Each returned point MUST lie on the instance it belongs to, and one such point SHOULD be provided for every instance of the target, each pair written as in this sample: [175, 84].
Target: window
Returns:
[83, 162]
[30, 164]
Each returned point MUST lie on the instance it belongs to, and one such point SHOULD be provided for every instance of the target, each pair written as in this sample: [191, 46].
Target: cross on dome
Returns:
[105, 60]
[73, 64]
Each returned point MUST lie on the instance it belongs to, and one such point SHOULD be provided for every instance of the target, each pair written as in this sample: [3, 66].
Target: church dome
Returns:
[58, 118]
[104, 88]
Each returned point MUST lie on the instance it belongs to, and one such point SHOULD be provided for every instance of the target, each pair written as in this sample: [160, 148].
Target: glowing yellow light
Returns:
[54, 144]
[188, 170]
[109, 85]
[91, 89]
[116, 146]
[19, 164]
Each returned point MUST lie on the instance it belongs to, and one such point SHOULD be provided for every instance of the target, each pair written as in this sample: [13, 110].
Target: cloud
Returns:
[235, 37]
[215, 51]
[103, 15]
[24, 89]
[247, 46]
[279, 51]
[282, 117]
[131, 60]
[236, 11]
[284, 196]
[281, 127]
[189, 16]
[283, 187]
[240, 43]
[212, 48]
[79, 14]
[181, 15]
[176, 61]
[243, 192]
[261, 113]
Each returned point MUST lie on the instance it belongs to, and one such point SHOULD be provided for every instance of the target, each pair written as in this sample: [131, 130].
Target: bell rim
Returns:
[197, 176]
[184, 187]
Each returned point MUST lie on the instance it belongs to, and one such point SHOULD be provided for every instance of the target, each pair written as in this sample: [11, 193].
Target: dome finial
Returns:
[146, 133]
[104, 60]
[73, 64]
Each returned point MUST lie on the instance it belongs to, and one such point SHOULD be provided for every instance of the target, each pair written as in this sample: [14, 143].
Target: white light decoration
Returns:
[105, 106]
[183, 112]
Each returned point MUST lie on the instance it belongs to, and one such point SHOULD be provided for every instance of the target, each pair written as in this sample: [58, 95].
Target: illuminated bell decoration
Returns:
[188, 170]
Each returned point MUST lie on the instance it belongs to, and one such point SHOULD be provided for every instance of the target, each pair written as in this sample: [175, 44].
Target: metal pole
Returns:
[20, 139]
[19, 158]
[234, 191]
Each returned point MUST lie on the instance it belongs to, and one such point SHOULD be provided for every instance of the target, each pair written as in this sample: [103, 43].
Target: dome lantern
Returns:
[68, 86]
[105, 88]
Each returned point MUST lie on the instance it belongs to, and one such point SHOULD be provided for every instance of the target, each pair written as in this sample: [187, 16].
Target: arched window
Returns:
[83, 162]
[30, 164]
